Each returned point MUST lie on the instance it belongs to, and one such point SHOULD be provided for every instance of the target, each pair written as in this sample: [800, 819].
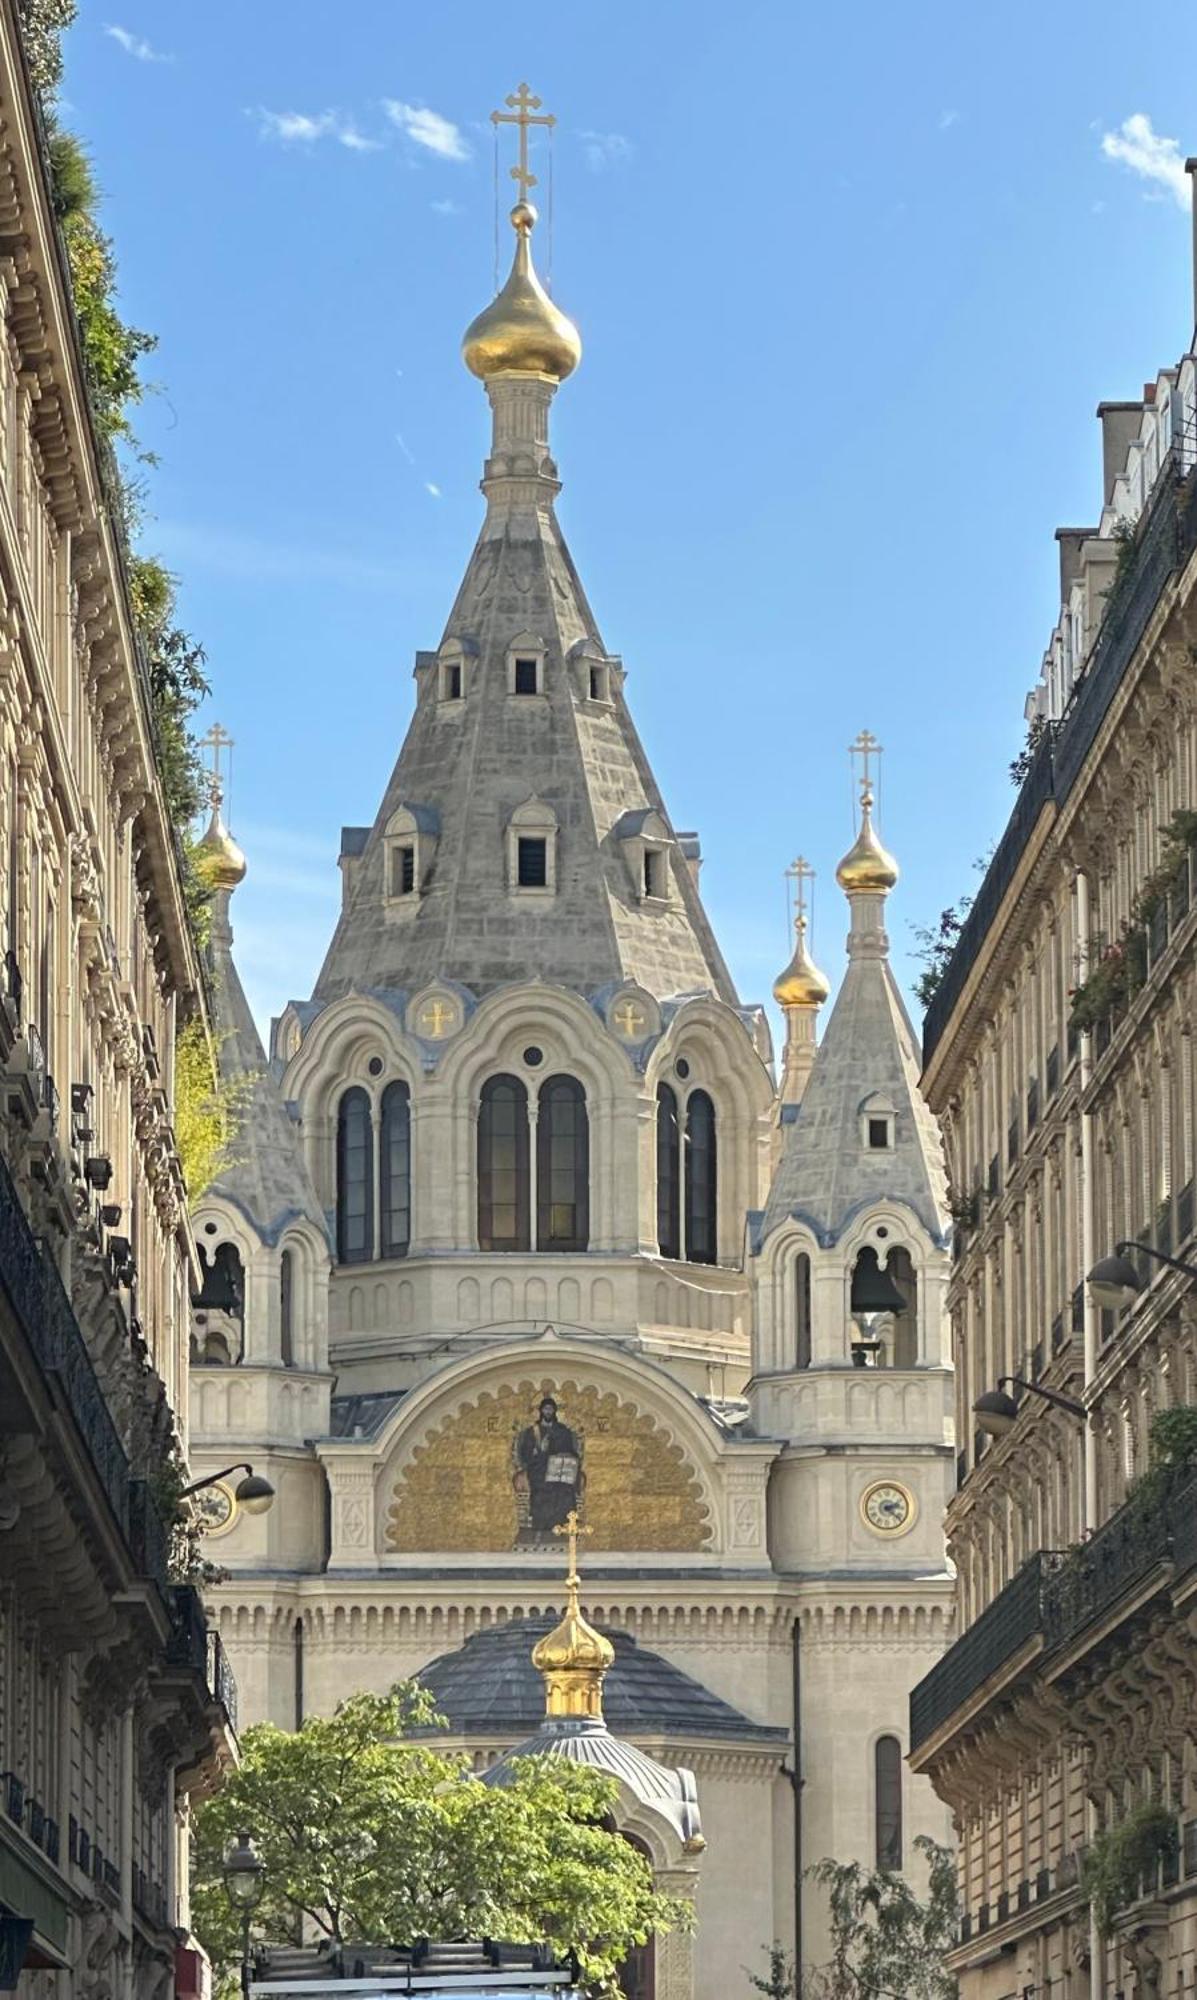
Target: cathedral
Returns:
[523, 1232]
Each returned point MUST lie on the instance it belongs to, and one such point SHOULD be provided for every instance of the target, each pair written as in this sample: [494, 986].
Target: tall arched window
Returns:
[702, 1188]
[802, 1309]
[669, 1176]
[562, 1166]
[355, 1178]
[503, 1192]
[395, 1151]
[887, 1802]
[286, 1303]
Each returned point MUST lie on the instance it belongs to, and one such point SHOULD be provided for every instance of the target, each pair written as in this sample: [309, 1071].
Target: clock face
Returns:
[216, 1507]
[887, 1507]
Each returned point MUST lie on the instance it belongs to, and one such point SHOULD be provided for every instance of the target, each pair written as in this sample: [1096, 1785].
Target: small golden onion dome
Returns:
[521, 329]
[801, 984]
[867, 867]
[573, 1646]
[218, 858]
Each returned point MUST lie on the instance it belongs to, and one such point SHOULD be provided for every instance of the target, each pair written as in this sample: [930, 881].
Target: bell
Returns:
[873, 1290]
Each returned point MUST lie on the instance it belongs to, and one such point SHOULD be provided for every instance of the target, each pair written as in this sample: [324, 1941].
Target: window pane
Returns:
[701, 1180]
[286, 1307]
[562, 1166]
[668, 1175]
[525, 676]
[503, 1165]
[533, 870]
[396, 1170]
[802, 1276]
[888, 1806]
[355, 1176]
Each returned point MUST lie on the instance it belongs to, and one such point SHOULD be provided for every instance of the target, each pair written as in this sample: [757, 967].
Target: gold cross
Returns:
[523, 107]
[629, 1017]
[572, 1527]
[865, 747]
[216, 740]
[436, 1016]
[800, 873]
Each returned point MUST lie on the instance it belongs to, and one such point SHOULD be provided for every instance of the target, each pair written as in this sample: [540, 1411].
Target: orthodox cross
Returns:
[630, 1018]
[572, 1527]
[865, 747]
[522, 113]
[216, 740]
[800, 873]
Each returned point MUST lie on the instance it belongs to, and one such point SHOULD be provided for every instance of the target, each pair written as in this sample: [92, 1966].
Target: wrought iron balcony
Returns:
[200, 1651]
[1134, 1541]
[1002, 1630]
[221, 1679]
[149, 1537]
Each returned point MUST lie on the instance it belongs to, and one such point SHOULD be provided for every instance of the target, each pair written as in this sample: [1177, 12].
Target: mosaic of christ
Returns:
[547, 1475]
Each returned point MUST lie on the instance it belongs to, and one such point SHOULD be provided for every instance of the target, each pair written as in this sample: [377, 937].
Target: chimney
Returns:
[1119, 429]
[1191, 171]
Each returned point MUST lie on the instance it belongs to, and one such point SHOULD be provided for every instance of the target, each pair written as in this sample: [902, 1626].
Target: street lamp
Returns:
[996, 1412]
[1114, 1282]
[244, 1874]
[253, 1492]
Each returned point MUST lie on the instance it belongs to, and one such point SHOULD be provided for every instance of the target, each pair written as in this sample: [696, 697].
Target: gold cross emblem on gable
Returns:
[437, 1018]
[630, 1018]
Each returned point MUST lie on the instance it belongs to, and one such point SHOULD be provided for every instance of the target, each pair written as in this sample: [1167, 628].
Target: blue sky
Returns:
[851, 283]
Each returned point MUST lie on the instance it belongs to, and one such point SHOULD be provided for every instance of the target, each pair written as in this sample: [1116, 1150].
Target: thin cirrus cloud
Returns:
[135, 45]
[304, 128]
[1155, 159]
[427, 129]
[605, 149]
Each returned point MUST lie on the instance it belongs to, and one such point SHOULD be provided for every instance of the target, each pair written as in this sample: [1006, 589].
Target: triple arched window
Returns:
[533, 1162]
[373, 1204]
[687, 1177]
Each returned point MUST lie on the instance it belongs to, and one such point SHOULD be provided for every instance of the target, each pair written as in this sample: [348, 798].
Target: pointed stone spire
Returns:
[800, 992]
[863, 1130]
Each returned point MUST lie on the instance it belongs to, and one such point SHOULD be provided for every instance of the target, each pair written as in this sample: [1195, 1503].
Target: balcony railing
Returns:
[1166, 537]
[221, 1679]
[194, 1647]
[1002, 1630]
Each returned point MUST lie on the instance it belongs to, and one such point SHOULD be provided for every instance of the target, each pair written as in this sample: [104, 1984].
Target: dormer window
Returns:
[644, 839]
[410, 848]
[450, 680]
[526, 665]
[532, 849]
[654, 872]
[403, 869]
[880, 1135]
[600, 682]
[877, 1123]
[525, 676]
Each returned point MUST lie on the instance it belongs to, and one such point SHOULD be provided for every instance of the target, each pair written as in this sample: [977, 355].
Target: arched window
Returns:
[669, 1177]
[887, 1802]
[395, 1150]
[503, 1193]
[286, 1300]
[355, 1178]
[220, 1305]
[562, 1166]
[802, 1309]
[702, 1189]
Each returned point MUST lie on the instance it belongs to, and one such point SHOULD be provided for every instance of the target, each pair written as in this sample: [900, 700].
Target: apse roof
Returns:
[489, 1687]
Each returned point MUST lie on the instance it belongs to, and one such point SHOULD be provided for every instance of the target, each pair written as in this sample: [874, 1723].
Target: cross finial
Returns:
[522, 112]
[216, 740]
[572, 1528]
[800, 873]
[866, 747]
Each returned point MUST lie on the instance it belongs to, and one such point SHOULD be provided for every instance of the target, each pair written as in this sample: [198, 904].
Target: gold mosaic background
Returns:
[456, 1494]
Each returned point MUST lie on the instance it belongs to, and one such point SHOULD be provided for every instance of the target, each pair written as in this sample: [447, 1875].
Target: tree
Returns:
[372, 1835]
[885, 1943]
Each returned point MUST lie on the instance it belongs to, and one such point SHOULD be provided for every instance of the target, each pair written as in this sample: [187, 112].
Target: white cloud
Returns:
[293, 125]
[605, 149]
[430, 488]
[947, 119]
[135, 45]
[446, 207]
[436, 134]
[1137, 145]
[357, 142]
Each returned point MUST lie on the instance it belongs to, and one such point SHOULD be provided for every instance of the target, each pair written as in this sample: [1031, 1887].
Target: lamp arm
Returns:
[1177, 1263]
[198, 1485]
[1068, 1403]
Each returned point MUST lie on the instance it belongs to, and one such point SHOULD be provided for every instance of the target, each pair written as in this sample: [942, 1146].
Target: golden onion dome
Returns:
[521, 329]
[801, 984]
[218, 858]
[867, 868]
[573, 1646]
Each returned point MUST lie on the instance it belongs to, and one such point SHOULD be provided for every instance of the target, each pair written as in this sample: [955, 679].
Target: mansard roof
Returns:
[268, 1180]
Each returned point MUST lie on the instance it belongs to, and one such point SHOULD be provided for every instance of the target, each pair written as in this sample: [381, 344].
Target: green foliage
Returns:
[112, 350]
[1126, 561]
[185, 1561]
[1036, 729]
[43, 23]
[209, 1110]
[1121, 968]
[781, 1982]
[370, 1836]
[936, 943]
[1121, 1864]
[1172, 1437]
[885, 1943]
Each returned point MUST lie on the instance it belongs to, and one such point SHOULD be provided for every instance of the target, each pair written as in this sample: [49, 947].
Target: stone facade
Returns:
[107, 1716]
[535, 1259]
[1058, 1056]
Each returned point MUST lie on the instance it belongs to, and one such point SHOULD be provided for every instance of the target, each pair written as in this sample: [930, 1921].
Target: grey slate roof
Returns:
[825, 1175]
[268, 1180]
[489, 1687]
[473, 762]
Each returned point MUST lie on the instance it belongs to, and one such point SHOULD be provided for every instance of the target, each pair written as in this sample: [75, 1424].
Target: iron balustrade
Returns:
[1166, 537]
[149, 1537]
[1002, 1630]
[200, 1651]
[222, 1680]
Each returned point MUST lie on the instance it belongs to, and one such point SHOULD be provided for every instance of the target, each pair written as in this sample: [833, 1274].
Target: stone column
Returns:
[353, 1537]
[675, 1952]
